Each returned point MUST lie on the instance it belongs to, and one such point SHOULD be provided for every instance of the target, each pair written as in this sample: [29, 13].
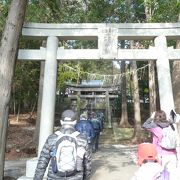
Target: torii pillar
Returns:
[49, 92]
[164, 76]
[48, 102]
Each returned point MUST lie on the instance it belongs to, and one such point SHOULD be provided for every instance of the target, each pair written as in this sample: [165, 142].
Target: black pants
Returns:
[96, 141]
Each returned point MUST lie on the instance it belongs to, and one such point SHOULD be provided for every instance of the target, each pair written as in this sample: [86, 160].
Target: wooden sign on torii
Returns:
[107, 36]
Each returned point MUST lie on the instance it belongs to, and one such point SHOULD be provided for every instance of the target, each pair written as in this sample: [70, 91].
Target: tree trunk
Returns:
[33, 109]
[152, 84]
[19, 107]
[176, 79]
[124, 115]
[152, 87]
[136, 98]
[176, 92]
[8, 54]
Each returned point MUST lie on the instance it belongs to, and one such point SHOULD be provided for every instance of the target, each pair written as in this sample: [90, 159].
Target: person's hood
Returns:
[149, 123]
[163, 124]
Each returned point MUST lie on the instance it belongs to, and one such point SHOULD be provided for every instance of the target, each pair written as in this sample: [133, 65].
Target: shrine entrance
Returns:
[91, 94]
[107, 37]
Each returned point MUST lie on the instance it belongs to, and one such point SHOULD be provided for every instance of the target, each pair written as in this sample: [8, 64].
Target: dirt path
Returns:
[110, 163]
[114, 163]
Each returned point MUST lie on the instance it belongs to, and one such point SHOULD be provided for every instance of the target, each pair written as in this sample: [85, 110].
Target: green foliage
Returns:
[122, 133]
[65, 75]
[167, 11]
[26, 83]
[66, 11]
[3, 14]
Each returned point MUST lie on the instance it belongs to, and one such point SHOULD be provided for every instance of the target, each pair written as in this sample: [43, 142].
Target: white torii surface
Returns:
[94, 54]
[90, 31]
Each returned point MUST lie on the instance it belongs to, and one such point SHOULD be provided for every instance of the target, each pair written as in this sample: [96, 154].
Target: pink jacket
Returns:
[157, 137]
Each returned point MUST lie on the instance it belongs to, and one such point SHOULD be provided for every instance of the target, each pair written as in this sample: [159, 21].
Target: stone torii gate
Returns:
[107, 36]
[104, 93]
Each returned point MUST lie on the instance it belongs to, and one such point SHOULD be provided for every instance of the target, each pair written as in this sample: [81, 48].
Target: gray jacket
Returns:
[49, 148]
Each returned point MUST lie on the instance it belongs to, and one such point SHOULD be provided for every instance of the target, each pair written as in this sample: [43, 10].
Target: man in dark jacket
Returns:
[47, 156]
[85, 127]
[97, 129]
[100, 117]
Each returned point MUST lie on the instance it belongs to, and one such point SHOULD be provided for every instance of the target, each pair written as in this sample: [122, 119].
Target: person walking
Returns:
[85, 127]
[66, 152]
[97, 129]
[100, 116]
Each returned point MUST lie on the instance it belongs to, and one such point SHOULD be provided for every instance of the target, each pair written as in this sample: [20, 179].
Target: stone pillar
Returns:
[48, 104]
[108, 110]
[164, 76]
[49, 91]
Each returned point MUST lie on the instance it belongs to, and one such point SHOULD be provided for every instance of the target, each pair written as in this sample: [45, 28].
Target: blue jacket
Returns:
[96, 124]
[85, 127]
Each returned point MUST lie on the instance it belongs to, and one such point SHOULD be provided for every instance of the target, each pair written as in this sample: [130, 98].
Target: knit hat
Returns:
[68, 117]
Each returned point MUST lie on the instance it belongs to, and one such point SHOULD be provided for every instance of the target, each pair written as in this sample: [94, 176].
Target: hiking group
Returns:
[158, 160]
[67, 153]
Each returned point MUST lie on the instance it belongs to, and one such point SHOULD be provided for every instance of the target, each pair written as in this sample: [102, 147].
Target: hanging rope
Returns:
[114, 79]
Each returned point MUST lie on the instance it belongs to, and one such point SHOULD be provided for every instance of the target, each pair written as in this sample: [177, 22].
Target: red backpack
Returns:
[147, 152]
